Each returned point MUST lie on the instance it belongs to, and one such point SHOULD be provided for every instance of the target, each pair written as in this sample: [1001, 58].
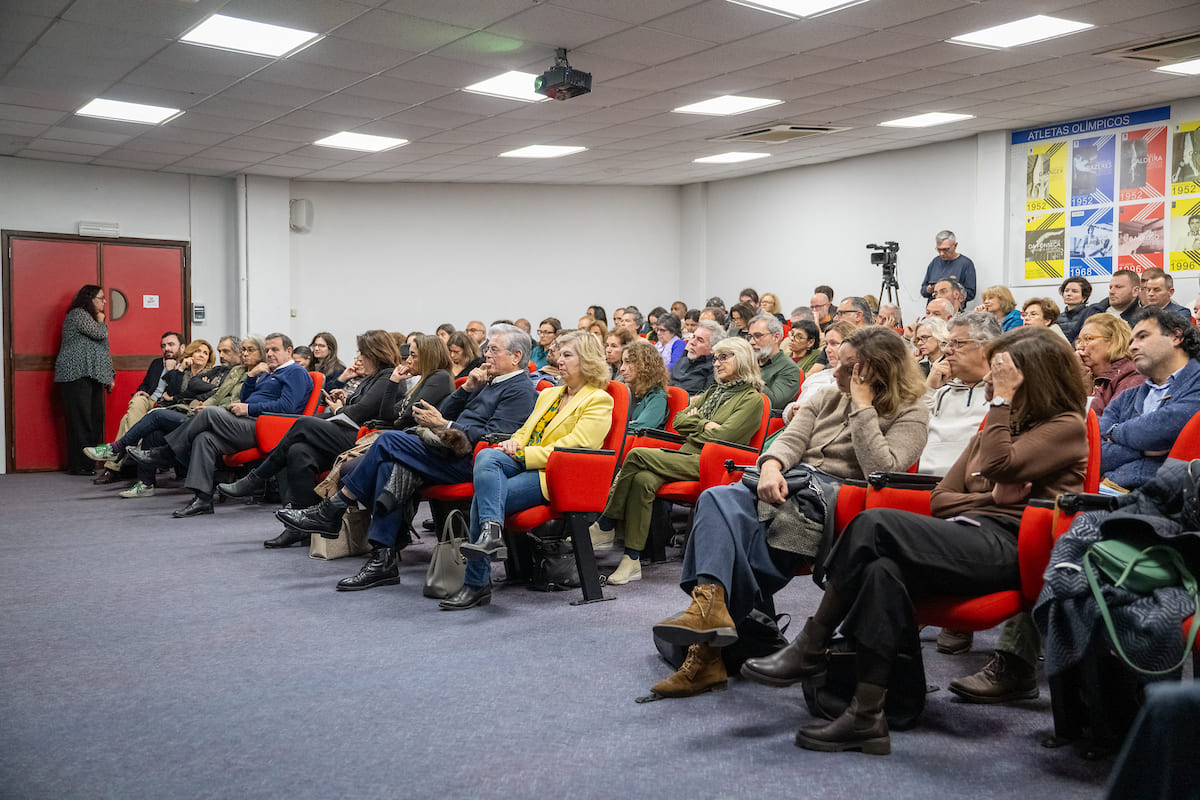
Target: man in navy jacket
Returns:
[496, 399]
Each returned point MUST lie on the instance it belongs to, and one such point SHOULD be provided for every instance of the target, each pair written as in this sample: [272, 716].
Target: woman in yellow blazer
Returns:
[511, 477]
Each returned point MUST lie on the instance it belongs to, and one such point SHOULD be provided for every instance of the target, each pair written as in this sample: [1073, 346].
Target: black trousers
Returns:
[309, 447]
[83, 413]
[887, 558]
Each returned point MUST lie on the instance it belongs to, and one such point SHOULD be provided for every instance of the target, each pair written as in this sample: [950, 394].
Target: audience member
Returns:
[999, 302]
[694, 371]
[889, 316]
[820, 305]
[1157, 289]
[1041, 312]
[780, 375]
[668, 342]
[1108, 368]
[598, 313]
[715, 314]
[769, 304]
[524, 325]
[1075, 293]
[953, 291]
[303, 356]
[949, 264]
[691, 320]
[1122, 297]
[599, 330]
[821, 376]
[584, 323]
[739, 319]
[632, 319]
[644, 373]
[750, 298]
[547, 332]
[614, 343]
[679, 308]
[651, 321]
[443, 332]
[928, 341]
[477, 332]
[804, 344]
[145, 397]
[464, 354]
[324, 348]
[856, 311]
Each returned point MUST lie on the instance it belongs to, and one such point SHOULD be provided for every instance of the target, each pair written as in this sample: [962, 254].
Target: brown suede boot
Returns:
[702, 671]
[705, 621]
[861, 727]
[804, 656]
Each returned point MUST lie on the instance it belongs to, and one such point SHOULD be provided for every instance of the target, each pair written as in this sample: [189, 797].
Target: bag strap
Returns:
[1189, 584]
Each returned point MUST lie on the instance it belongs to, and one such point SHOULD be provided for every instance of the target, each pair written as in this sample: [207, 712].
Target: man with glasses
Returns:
[477, 332]
[856, 311]
[694, 372]
[820, 305]
[779, 373]
[496, 399]
[952, 291]
[948, 264]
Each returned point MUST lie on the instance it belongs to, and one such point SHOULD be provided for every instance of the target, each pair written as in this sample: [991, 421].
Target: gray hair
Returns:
[773, 323]
[861, 304]
[943, 236]
[235, 341]
[515, 340]
[257, 341]
[955, 286]
[638, 319]
[717, 333]
[802, 312]
[982, 325]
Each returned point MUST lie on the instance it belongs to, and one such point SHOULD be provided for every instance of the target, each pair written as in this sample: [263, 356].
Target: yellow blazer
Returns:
[583, 422]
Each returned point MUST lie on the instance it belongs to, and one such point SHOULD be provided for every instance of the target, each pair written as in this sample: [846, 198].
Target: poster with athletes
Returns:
[1091, 238]
[1143, 164]
[1046, 177]
[1140, 236]
[1092, 162]
[1185, 159]
[1044, 246]
[1185, 235]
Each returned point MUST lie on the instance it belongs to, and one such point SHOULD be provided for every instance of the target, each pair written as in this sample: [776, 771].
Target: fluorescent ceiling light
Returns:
[128, 112]
[727, 104]
[542, 151]
[1182, 68]
[245, 36]
[511, 86]
[360, 141]
[1022, 31]
[729, 158]
[926, 120]
[798, 8]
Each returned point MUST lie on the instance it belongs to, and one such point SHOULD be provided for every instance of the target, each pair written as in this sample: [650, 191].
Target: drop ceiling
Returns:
[396, 69]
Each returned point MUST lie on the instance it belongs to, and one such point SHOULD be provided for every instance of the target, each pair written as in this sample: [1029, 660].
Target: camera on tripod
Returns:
[884, 255]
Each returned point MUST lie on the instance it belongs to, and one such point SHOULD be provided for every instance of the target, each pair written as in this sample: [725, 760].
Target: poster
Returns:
[1185, 235]
[1045, 177]
[1143, 164]
[1185, 159]
[1091, 238]
[1092, 162]
[1140, 236]
[1044, 248]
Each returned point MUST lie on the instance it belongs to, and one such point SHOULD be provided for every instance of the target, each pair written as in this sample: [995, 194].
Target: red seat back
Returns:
[1187, 444]
[458, 382]
[318, 380]
[761, 433]
[1091, 479]
[677, 400]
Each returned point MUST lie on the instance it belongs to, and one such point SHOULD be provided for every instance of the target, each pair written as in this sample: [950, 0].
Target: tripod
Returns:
[889, 286]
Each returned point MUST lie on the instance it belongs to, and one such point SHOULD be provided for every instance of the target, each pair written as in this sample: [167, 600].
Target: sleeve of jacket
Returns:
[790, 445]
[150, 379]
[899, 448]
[967, 278]
[738, 420]
[1157, 430]
[687, 424]
[517, 398]
[784, 383]
[652, 413]
[590, 425]
[297, 385]
[230, 388]
[89, 326]
[544, 401]
[456, 401]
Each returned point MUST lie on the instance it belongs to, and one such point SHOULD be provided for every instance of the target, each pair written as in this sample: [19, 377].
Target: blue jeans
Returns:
[502, 487]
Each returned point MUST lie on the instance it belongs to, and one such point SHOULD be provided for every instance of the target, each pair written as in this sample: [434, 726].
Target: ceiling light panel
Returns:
[726, 105]
[247, 36]
[1182, 68]
[511, 86]
[926, 120]
[1022, 31]
[360, 141]
[729, 158]
[128, 112]
[797, 8]
[542, 151]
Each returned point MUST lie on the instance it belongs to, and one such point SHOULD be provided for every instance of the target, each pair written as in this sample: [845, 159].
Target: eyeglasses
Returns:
[958, 344]
[815, 306]
[495, 350]
[546, 331]
[924, 338]
[474, 330]
[722, 357]
[758, 336]
[1088, 338]
[842, 311]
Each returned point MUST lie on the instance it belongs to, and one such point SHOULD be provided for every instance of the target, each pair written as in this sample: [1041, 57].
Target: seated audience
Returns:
[1075, 293]
[511, 477]
[1157, 289]
[780, 375]
[715, 314]
[144, 397]
[464, 354]
[804, 344]
[547, 332]
[928, 341]
[889, 316]
[691, 320]
[769, 304]
[998, 301]
[730, 410]
[1041, 312]
[632, 319]
[821, 305]
[668, 342]
[325, 358]
[598, 313]
[953, 291]
[444, 330]
[823, 377]
[478, 332]
[524, 325]
[302, 356]
[855, 310]
[599, 330]
[694, 371]
[643, 372]
[875, 421]
[1122, 299]
[614, 343]
[679, 309]
[584, 323]
[1108, 369]
[739, 320]
[652, 322]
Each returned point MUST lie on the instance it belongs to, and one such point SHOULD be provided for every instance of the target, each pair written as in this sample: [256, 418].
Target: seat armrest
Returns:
[578, 479]
[1038, 502]
[902, 480]
[745, 448]
[662, 436]
[378, 425]
[1075, 502]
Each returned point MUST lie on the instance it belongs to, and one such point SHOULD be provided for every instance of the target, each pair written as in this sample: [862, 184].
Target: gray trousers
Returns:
[212, 433]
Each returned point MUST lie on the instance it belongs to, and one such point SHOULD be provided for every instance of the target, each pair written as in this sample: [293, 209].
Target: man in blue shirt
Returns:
[949, 265]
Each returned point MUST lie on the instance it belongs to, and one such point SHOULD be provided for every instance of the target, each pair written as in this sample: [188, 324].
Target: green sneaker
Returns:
[101, 452]
[139, 489]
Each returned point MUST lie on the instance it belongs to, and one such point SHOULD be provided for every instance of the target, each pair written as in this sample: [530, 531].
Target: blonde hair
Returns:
[745, 363]
[591, 356]
[774, 302]
[1001, 293]
[1115, 330]
[196, 344]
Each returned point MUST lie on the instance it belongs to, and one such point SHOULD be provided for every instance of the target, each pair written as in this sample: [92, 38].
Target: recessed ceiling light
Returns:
[360, 141]
[798, 8]
[729, 158]
[542, 151]
[1022, 31]
[926, 120]
[245, 36]
[511, 86]
[1182, 68]
[128, 112]
[727, 104]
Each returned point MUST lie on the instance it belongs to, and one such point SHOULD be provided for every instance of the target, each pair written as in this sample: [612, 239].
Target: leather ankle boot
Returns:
[246, 486]
[382, 569]
[490, 543]
[705, 621]
[324, 518]
[1003, 679]
[862, 726]
[804, 656]
[702, 671]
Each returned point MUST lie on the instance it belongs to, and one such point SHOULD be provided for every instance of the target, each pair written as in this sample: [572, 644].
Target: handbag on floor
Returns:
[447, 566]
[554, 568]
[759, 634]
[351, 540]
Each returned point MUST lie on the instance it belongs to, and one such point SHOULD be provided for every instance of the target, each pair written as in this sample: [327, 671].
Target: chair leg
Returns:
[660, 531]
[585, 560]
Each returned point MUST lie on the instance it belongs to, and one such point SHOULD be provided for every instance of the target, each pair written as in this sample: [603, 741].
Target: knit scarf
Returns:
[719, 393]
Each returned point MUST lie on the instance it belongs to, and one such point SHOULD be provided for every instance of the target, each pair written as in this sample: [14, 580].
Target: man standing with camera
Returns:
[948, 264]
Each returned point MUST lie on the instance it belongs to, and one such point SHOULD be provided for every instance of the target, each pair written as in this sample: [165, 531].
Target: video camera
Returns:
[884, 255]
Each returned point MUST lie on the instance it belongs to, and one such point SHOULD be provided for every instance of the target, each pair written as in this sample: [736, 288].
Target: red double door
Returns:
[145, 284]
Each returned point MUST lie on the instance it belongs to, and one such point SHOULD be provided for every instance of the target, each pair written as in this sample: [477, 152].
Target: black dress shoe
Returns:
[246, 486]
[324, 518]
[82, 471]
[105, 476]
[490, 543]
[287, 539]
[194, 509]
[428, 525]
[467, 597]
[381, 569]
[153, 457]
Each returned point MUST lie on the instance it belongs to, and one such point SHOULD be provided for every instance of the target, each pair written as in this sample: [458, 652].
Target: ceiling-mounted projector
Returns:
[560, 82]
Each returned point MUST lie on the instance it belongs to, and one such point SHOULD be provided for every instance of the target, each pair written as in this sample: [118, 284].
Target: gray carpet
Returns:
[148, 657]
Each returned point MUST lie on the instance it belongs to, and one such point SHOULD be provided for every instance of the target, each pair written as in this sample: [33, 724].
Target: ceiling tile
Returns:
[358, 56]
[309, 76]
[557, 27]
[232, 108]
[321, 16]
[163, 20]
[440, 71]
[395, 90]
[352, 106]
[466, 13]
[642, 45]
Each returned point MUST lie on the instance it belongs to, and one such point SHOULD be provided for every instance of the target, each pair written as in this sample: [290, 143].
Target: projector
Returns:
[561, 82]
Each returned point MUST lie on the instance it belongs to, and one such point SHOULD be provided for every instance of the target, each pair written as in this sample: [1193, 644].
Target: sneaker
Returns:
[139, 489]
[630, 569]
[101, 452]
[601, 540]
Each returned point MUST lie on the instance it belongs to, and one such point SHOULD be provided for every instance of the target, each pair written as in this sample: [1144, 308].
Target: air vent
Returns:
[775, 133]
[1164, 51]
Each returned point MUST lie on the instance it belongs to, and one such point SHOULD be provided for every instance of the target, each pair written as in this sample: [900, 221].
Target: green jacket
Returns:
[782, 378]
[230, 388]
[738, 420]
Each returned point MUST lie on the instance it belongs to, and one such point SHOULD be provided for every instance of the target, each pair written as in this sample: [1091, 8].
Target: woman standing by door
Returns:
[84, 371]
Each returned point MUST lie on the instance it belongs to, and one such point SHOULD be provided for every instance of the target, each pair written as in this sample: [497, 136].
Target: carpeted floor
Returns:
[148, 657]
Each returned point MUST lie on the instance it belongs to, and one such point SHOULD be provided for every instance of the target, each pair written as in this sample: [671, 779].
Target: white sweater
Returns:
[955, 412]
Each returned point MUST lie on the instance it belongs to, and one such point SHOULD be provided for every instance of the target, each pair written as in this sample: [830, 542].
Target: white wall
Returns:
[409, 256]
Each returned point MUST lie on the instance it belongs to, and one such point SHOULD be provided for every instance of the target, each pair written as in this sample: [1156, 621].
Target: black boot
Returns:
[247, 486]
[862, 726]
[490, 543]
[382, 569]
[805, 656]
[153, 457]
[288, 538]
[324, 518]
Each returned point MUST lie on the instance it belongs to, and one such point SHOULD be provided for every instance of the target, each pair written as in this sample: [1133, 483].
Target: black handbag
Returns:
[829, 693]
[554, 567]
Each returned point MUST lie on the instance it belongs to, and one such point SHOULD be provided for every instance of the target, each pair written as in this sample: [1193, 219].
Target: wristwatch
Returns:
[1000, 401]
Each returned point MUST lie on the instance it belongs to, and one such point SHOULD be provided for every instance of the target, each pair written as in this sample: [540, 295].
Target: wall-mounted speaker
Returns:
[301, 216]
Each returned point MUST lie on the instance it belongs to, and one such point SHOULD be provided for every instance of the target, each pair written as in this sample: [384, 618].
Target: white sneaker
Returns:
[602, 541]
[100, 452]
[630, 569]
[139, 489]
